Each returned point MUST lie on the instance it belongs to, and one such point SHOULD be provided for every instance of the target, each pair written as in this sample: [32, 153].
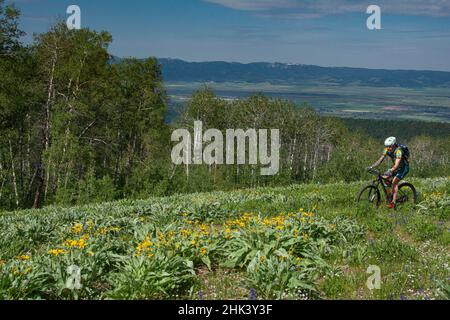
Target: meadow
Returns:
[297, 242]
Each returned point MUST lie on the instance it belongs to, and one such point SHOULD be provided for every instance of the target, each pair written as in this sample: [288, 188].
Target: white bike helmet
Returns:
[390, 141]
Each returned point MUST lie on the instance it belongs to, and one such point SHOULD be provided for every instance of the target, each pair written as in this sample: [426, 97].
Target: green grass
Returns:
[225, 244]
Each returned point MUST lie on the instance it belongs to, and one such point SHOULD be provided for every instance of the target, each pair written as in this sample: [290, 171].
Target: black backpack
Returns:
[405, 151]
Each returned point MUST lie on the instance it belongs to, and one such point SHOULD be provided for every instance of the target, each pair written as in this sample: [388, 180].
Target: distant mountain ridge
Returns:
[279, 73]
[283, 73]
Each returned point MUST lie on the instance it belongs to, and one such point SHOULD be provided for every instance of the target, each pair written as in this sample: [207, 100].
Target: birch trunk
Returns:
[13, 169]
[48, 104]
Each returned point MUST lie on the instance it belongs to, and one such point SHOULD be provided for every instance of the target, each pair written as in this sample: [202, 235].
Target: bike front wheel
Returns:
[369, 194]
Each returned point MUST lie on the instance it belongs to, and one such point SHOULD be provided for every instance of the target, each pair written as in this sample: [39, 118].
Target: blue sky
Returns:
[415, 33]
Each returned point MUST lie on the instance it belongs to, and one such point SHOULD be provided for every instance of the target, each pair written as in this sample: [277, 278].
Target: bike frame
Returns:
[380, 181]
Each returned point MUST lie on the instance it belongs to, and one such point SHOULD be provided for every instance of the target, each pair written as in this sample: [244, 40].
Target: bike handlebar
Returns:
[373, 171]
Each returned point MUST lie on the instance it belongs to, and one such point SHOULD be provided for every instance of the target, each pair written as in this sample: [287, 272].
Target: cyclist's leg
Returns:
[395, 183]
[400, 175]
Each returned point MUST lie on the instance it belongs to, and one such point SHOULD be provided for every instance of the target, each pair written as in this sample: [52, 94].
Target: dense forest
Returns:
[76, 128]
[406, 129]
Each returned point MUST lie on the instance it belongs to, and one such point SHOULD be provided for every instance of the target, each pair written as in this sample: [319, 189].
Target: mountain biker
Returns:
[400, 168]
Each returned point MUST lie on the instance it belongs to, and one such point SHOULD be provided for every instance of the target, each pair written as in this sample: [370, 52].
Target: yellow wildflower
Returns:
[308, 214]
[24, 257]
[77, 228]
[102, 231]
[170, 234]
[204, 229]
[80, 244]
[57, 252]
[145, 246]
[15, 272]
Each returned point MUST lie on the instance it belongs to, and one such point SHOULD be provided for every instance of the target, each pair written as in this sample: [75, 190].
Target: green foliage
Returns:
[9, 29]
[76, 129]
[424, 227]
[406, 130]
[163, 277]
[436, 202]
[279, 277]
[391, 248]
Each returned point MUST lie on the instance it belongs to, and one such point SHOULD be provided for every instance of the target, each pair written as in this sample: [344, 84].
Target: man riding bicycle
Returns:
[400, 168]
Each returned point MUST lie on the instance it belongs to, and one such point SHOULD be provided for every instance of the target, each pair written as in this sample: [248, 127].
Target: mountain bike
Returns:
[406, 191]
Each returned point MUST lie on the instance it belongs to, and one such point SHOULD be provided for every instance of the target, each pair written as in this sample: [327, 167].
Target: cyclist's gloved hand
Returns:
[388, 173]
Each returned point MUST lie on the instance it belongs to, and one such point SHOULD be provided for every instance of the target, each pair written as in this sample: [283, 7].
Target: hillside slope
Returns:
[303, 241]
[282, 73]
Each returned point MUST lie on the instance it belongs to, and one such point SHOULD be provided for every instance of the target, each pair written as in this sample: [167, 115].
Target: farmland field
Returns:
[297, 242]
[350, 101]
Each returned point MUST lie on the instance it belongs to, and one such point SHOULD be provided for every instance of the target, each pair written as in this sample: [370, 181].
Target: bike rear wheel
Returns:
[406, 194]
[371, 194]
